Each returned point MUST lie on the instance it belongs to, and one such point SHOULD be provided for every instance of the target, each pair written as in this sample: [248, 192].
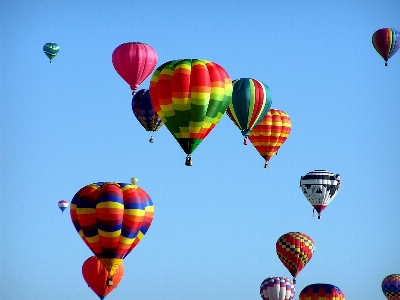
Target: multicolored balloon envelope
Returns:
[144, 111]
[190, 96]
[277, 288]
[97, 277]
[62, 205]
[51, 50]
[295, 249]
[320, 187]
[391, 287]
[134, 62]
[251, 100]
[321, 291]
[386, 42]
[270, 133]
[112, 218]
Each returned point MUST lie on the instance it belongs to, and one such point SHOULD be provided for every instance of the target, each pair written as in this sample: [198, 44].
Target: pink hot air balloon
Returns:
[134, 62]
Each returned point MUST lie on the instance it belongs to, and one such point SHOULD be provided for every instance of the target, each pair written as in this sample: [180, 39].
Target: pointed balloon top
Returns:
[134, 180]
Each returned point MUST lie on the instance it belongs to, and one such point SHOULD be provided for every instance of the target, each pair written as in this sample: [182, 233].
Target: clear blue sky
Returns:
[67, 124]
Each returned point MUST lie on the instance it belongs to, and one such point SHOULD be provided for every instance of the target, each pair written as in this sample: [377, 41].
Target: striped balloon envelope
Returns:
[391, 287]
[386, 42]
[269, 135]
[62, 205]
[97, 277]
[320, 187]
[277, 288]
[51, 50]
[321, 291]
[111, 218]
[190, 96]
[295, 250]
[251, 100]
[144, 111]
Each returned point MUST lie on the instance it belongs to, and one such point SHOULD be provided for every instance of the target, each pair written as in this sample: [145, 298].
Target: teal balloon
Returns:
[51, 50]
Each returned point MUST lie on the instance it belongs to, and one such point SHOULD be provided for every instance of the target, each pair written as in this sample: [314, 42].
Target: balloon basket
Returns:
[188, 161]
[110, 282]
[266, 166]
[151, 140]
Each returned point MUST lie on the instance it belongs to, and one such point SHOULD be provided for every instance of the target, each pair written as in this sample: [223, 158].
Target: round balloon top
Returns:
[51, 50]
[112, 218]
[277, 288]
[134, 62]
[321, 291]
[391, 287]
[386, 42]
[295, 250]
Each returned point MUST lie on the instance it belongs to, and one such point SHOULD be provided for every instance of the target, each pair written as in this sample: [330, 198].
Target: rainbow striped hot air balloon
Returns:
[190, 96]
[295, 249]
[391, 287]
[251, 100]
[112, 218]
[51, 50]
[270, 133]
[321, 291]
[386, 42]
[277, 288]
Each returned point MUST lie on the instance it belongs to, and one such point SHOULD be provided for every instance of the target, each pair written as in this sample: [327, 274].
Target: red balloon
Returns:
[97, 277]
[134, 62]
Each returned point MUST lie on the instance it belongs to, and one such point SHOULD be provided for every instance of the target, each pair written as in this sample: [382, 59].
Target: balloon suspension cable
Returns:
[188, 161]
[151, 140]
[110, 281]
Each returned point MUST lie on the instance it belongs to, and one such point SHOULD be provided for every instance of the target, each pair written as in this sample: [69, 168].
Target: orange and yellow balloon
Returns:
[270, 133]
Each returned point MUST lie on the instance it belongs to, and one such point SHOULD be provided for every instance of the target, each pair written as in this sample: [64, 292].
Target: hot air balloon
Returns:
[295, 249]
[321, 291]
[63, 204]
[320, 187]
[386, 42]
[97, 277]
[391, 287]
[251, 100]
[277, 288]
[270, 133]
[190, 96]
[134, 62]
[144, 112]
[111, 218]
[51, 50]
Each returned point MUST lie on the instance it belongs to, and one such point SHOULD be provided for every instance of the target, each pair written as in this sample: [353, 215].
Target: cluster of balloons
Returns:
[189, 97]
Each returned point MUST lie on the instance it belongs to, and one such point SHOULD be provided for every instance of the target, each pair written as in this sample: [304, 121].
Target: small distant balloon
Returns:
[386, 42]
[391, 287]
[63, 204]
[51, 50]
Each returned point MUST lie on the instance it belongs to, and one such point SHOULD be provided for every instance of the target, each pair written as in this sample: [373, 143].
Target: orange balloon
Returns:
[98, 278]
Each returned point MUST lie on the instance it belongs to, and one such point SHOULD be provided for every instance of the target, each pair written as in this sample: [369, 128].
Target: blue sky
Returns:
[68, 124]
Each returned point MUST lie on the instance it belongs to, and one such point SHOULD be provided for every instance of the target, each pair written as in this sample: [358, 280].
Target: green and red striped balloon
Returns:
[190, 96]
[251, 100]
